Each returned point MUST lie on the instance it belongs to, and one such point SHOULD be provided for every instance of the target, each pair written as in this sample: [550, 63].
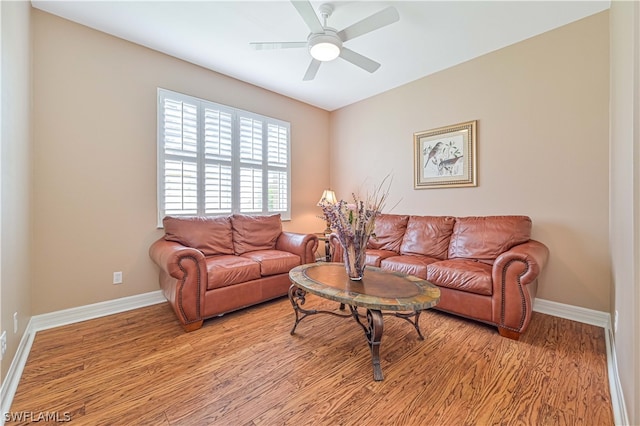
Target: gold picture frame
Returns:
[445, 157]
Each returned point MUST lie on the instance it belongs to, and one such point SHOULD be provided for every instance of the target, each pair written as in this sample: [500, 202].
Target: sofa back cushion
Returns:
[389, 230]
[251, 233]
[428, 235]
[210, 235]
[485, 238]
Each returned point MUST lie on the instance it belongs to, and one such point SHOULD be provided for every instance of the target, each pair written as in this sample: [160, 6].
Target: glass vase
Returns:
[354, 257]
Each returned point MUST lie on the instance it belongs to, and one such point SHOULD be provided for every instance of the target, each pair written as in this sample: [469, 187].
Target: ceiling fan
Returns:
[326, 43]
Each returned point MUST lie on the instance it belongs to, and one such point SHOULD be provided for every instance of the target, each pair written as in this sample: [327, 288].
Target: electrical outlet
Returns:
[15, 322]
[615, 322]
[3, 344]
[117, 277]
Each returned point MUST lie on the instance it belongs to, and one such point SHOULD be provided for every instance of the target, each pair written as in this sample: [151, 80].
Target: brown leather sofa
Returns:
[211, 266]
[486, 267]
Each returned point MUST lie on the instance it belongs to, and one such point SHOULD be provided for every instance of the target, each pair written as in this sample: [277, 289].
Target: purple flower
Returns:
[354, 222]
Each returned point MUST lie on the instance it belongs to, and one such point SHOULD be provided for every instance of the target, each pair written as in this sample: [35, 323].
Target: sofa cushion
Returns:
[273, 262]
[462, 274]
[374, 257]
[485, 238]
[210, 235]
[389, 230]
[428, 236]
[412, 264]
[226, 270]
[251, 233]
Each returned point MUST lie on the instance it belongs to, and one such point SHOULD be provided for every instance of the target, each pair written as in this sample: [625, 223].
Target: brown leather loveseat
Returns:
[485, 267]
[211, 266]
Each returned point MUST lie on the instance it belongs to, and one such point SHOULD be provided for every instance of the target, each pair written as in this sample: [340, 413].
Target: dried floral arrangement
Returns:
[354, 223]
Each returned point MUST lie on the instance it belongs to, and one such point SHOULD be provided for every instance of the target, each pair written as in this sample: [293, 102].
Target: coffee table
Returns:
[404, 295]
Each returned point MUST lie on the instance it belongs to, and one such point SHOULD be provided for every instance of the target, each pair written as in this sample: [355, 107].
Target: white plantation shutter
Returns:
[278, 145]
[181, 187]
[278, 191]
[217, 160]
[180, 127]
[218, 189]
[250, 190]
[218, 144]
[250, 140]
[250, 165]
[278, 167]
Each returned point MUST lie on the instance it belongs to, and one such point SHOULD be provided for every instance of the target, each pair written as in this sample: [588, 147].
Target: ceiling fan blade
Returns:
[309, 15]
[377, 20]
[312, 70]
[269, 45]
[359, 60]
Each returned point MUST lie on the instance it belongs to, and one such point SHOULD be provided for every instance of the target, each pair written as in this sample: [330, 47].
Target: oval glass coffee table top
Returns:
[378, 289]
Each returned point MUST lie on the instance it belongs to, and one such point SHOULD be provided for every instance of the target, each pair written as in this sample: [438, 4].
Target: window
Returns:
[216, 160]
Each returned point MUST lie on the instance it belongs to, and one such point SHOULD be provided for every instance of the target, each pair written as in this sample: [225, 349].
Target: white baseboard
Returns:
[95, 310]
[620, 415]
[83, 313]
[11, 380]
[60, 318]
[574, 313]
[599, 319]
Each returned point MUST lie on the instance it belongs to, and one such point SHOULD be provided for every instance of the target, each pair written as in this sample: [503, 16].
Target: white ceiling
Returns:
[430, 36]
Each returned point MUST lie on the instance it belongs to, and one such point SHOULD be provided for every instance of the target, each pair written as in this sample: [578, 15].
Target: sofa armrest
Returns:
[183, 279]
[168, 255]
[337, 252]
[304, 245]
[515, 274]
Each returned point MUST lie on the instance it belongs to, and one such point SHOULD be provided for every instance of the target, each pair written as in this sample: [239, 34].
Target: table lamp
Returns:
[328, 197]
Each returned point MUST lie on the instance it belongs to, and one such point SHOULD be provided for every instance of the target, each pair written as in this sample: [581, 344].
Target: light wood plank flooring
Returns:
[140, 368]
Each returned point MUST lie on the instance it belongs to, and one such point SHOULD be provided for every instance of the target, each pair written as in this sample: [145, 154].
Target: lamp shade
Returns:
[328, 197]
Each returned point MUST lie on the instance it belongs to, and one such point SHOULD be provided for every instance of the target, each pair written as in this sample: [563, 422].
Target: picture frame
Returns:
[445, 157]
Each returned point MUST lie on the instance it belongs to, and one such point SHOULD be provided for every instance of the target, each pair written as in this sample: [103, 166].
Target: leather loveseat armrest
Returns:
[514, 286]
[337, 252]
[304, 245]
[183, 279]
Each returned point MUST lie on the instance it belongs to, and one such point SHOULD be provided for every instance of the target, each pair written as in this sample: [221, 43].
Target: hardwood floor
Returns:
[140, 368]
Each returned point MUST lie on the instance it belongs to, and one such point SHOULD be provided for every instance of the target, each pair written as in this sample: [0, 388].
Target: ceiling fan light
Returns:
[325, 51]
[324, 47]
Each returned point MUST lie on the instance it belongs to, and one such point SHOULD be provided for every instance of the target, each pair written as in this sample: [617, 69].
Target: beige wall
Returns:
[542, 111]
[95, 158]
[625, 196]
[15, 174]
[541, 106]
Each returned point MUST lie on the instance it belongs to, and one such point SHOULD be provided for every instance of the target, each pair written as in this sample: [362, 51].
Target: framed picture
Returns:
[445, 157]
